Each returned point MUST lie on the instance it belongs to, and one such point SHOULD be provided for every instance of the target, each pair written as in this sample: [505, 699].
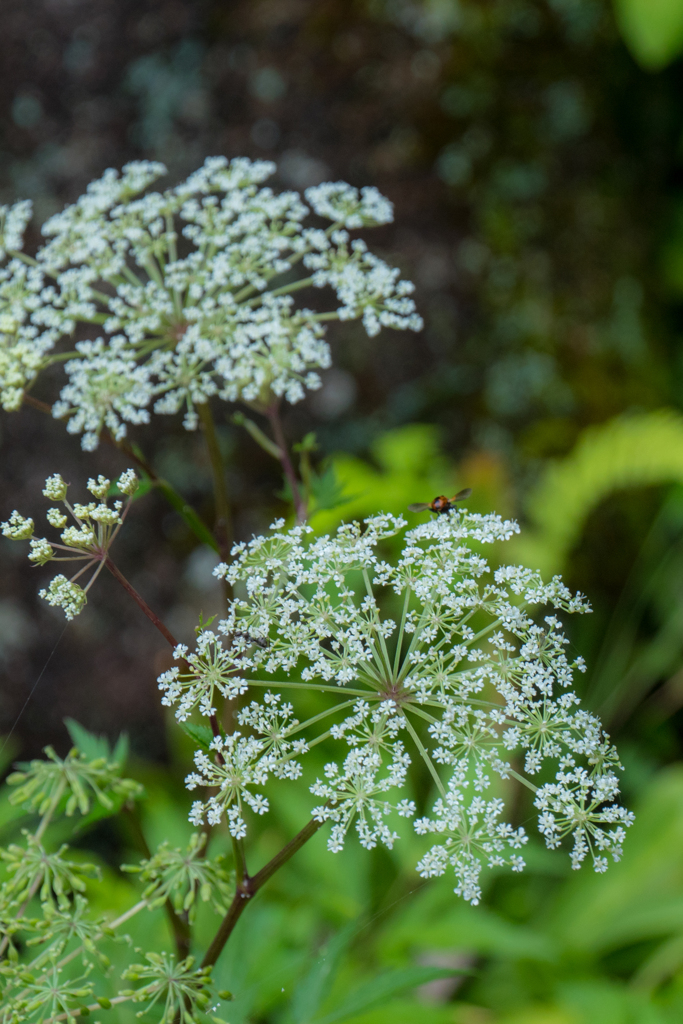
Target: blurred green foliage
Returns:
[359, 937]
[653, 30]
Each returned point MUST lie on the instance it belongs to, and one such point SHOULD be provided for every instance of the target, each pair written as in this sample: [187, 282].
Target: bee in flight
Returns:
[441, 503]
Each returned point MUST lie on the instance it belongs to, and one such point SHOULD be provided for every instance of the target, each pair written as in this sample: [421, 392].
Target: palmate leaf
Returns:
[327, 491]
[95, 747]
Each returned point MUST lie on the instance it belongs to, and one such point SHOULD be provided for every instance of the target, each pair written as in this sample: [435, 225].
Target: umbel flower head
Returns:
[189, 293]
[88, 541]
[463, 677]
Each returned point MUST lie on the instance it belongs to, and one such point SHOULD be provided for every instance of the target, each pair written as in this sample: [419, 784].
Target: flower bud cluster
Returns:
[464, 677]
[97, 524]
[191, 292]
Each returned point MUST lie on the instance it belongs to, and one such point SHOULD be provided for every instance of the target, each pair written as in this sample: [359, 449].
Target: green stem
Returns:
[187, 514]
[524, 782]
[414, 710]
[314, 687]
[399, 642]
[303, 282]
[15, 254]
[425, 757]
[86, 1010]
[482, 632]
[405, 664]
[240, 420]
[60, 357]
[240, 859]
[387, 663]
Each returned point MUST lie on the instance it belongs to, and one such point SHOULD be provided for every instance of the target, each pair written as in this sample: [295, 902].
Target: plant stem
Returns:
[223, 527]
[425, 757]
[85, 1010]
[154, 618]
[175, 500]
[36, 403]
[250, 886]
[141, 603]
[300, 503]
[240, 860]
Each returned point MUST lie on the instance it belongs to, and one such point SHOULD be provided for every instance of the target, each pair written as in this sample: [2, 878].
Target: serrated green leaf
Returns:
[328, 492]
[87, 742]
[201, 734]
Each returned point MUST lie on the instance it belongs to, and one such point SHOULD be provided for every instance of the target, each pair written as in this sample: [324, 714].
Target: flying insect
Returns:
[441, 503]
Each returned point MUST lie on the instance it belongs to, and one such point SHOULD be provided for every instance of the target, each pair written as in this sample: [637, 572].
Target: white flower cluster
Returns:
[89, 541]
[463, 677]
[189, 292]
[24, 345]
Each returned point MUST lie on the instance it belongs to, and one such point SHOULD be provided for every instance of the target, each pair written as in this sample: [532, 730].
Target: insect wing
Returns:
[419, 506]
[461, 495]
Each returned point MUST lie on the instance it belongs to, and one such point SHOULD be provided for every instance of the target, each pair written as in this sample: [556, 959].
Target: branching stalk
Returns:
[250, 886]
[156, 621]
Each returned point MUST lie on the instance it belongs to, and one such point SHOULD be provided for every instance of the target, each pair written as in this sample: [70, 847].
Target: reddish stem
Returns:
[300, 504]
[141, 603]
[36, 403]
[249, 886]
[153, 618]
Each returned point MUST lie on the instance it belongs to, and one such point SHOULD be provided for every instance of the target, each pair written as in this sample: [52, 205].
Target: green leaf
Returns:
[384, 987]
[201, 734]
[188, 514]
[411, 468]
[327, 491]
[119, 754]
[652, 30]
[629, 451]
[94, 746]
[310, 993]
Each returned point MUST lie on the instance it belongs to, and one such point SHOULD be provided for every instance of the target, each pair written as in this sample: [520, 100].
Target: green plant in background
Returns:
[421, 681]
[653, 31]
